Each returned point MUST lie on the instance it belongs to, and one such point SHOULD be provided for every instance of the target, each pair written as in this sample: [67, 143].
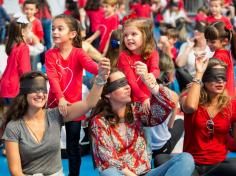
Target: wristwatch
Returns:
[196, 80]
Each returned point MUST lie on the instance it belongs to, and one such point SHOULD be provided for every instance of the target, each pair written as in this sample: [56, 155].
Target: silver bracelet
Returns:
[99, 81]
[198, 81]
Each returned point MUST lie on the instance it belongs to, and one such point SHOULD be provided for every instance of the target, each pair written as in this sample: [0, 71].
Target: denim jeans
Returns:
[180, 165]
[72, 147]
[46, 23]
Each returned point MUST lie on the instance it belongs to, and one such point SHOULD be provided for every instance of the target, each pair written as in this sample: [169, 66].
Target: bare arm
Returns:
[81, 107]
[13, 158]
[92, 52]
[93, 37]
[191, 101]
[184, 53]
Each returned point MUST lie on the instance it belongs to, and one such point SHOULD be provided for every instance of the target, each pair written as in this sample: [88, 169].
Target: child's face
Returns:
[172, 40]
[30, 10]
[108, 9]
[133, 39]
[215, 7]
[215, 44]
[61, 32]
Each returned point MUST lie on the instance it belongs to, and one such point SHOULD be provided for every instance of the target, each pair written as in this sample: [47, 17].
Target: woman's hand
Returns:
[62, 106]
[104, 68]
[201, 63]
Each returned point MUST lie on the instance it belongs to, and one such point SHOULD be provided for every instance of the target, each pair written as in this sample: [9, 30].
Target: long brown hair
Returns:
[223, 99]
[114, 47]
[73, 25]
[146, 28]
[15, 36]
[104, 107]
[19, 105]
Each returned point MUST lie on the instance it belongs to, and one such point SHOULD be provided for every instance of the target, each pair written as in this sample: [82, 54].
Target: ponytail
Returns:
[233, 44]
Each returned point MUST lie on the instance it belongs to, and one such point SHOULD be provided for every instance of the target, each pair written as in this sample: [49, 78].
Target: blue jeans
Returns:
[72, 147]
[180, 165]
[46, 23]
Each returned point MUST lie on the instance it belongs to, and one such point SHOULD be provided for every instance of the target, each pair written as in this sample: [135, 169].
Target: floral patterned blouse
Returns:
[123, 145]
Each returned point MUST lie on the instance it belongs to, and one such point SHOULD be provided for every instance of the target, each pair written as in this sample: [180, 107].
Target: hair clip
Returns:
[115, 43]
[22, 20]
[228, 26]
[18, 15]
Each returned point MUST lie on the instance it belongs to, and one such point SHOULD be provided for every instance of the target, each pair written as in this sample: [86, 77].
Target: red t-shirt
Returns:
[65, 75]
[224, 19]
[37, 28]
[95, 17]
[108, 25]
[142, 10]
[225, 56]
[126, 64]
[197, 141]
[44, 13]
[18, 62]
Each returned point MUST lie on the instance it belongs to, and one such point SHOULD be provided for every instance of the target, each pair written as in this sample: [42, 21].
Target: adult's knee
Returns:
[187, 161]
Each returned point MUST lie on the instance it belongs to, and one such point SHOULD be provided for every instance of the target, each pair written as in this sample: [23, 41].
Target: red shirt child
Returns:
[96, 18]
[70, 84]
[37, 28]
[126, 64]
[108, 25]
[142, 10]
[212, 19]
[225, 56]
[18, 62]
[196, 139]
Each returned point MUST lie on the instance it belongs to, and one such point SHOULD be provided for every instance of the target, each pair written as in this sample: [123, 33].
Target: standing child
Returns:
[138, 44]
[109, 23]
[218, 36]
[18, 61]
[216, 13]
[30, 8]
[64, 67]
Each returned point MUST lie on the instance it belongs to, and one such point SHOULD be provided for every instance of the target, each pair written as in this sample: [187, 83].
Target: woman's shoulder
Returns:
[99, 121]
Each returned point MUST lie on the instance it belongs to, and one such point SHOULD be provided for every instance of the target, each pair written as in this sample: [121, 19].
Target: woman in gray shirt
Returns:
[32, 133]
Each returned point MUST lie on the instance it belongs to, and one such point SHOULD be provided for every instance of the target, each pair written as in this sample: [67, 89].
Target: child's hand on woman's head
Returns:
[146, 106]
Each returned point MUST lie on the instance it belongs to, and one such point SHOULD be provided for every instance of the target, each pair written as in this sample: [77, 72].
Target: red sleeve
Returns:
[124, 65]
[154, 64]
[52, 74]
[24, 60]
[87, 63]
[38, 29]
[233, 105]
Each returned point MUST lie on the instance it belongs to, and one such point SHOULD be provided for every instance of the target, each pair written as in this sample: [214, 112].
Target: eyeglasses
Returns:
[210, 126]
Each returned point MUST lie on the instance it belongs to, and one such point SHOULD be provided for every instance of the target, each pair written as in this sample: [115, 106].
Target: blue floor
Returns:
[86, 166]
[85, 170]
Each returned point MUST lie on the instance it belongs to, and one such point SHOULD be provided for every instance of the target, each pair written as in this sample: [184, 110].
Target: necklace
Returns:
[34, 135]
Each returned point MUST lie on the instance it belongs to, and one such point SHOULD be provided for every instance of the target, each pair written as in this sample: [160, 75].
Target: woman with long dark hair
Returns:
[118, 141]
[32, 133]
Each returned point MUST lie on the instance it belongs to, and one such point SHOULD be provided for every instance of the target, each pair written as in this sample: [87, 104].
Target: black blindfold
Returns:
[33, 85]
[116, 85]
[214, 75]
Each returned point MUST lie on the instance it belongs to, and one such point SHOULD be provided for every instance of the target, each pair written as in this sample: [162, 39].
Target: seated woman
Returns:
[208, 115]
[32, 133]
[118, 142]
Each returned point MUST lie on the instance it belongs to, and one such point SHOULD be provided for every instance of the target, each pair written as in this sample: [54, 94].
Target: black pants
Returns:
[225, 168]
[162, 155]
[72, 147]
